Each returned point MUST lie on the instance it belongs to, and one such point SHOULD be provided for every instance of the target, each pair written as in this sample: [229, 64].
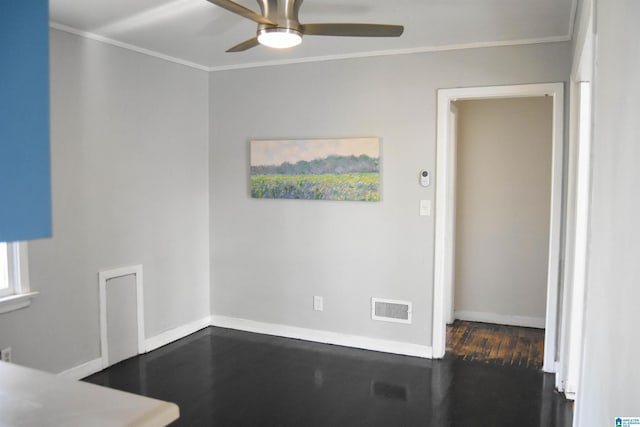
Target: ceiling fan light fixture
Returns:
[279, 38]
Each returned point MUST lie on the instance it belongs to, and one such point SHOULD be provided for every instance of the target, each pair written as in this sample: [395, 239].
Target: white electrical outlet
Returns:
[5, 354]
[317, 303]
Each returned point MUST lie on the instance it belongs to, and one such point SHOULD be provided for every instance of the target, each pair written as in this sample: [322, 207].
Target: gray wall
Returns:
[502, 207]
[610, 377]
[129, 177]
[269, 257]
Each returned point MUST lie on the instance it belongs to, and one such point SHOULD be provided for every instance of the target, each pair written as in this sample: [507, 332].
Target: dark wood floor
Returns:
[222, 377]
[496, 344]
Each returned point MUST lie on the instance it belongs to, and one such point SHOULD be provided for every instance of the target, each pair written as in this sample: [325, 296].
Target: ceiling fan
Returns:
[279, 26]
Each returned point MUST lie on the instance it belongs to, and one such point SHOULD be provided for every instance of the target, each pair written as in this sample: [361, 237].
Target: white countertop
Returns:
[33, 398]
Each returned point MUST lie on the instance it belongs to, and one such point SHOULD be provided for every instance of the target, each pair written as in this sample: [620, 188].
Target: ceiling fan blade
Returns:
[353, 30]
[242, 11]
[245, 45]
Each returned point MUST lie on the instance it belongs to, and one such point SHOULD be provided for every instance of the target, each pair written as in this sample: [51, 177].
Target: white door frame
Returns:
[450, 267]
[576, 239]
[445, 193]
[578, 201]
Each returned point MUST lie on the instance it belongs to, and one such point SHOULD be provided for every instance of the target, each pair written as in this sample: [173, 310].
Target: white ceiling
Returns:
[197, 32]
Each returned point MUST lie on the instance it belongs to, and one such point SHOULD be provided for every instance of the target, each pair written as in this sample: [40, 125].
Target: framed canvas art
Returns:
[316, 169]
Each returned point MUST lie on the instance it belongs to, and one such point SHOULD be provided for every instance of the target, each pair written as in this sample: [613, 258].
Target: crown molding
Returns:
[409, 51]
[372, 54]
[112, 42]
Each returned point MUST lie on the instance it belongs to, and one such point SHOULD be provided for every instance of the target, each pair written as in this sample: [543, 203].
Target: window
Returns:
[14, 277]
[4, 271]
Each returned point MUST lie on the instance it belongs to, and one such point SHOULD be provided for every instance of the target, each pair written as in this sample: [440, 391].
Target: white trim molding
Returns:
[96, 365]
[127, 46]
[325, 337]
[167, 337]
[501, 319]
[16, 302]
[393, 52]
[578, 201]
[105, 275]
[84, 370]
[20, 295]
[304, 60]
[445, 175]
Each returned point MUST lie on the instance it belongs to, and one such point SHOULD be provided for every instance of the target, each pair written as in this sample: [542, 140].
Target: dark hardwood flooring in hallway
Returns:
[221, 377]
[496, 344]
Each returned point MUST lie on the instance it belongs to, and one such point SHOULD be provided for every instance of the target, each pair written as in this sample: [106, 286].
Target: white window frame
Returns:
[18, 295]
[5, 271]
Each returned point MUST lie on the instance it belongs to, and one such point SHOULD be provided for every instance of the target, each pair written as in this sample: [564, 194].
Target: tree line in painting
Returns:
[330, 178]
[328, 165]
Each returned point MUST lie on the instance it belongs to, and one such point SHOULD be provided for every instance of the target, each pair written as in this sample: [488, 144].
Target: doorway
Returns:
[445, 250]
[501, 233]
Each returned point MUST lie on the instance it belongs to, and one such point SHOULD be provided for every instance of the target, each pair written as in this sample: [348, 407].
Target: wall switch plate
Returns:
[318, 303]
[425, 207]
[5, 354]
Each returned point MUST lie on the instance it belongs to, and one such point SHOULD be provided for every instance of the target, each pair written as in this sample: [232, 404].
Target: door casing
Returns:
[445, 211]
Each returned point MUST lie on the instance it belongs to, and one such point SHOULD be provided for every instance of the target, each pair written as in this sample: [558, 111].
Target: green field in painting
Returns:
[351, 186]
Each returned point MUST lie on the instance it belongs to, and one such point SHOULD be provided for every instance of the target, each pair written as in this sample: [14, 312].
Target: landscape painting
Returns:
[316, 169]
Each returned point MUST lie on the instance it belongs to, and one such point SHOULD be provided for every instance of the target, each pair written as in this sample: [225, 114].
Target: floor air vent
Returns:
[389, 391]
[390, 310]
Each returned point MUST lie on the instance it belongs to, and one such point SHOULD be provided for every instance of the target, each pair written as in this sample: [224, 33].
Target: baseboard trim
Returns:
[160, 340]
[501, 319]
[325, 337]
[84, 370]
[167, 337]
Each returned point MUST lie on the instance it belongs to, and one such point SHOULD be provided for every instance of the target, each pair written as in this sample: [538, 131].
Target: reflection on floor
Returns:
[221, 377]
[496, 344]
